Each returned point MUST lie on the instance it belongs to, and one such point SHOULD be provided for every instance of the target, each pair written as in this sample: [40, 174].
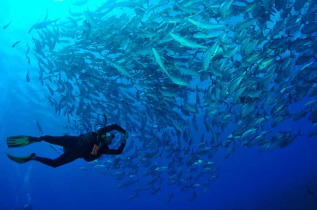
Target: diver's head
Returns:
[108, 138]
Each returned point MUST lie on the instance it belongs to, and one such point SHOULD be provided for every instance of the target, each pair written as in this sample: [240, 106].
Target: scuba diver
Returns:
[88, 146]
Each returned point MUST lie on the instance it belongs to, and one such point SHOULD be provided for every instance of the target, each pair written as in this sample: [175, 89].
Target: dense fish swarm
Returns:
[185, 78]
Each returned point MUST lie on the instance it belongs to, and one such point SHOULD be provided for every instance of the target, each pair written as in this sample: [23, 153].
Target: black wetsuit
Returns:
[88, 146]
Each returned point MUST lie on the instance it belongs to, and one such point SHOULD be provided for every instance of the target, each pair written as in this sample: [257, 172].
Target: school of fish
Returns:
[186, 78]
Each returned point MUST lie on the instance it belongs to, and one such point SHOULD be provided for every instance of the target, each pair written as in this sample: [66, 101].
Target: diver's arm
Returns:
[110, 128]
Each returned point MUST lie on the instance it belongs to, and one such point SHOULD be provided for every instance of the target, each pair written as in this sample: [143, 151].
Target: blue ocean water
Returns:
[280, 179]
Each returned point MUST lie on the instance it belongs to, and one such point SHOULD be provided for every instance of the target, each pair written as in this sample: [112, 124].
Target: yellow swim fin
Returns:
[21, 159]
[18, 141]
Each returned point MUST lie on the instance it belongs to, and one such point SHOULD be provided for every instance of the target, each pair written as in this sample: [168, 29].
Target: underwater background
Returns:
[257, 176]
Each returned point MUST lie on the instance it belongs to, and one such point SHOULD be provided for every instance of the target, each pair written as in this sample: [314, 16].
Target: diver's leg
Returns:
[64, 141]
[67, 157]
